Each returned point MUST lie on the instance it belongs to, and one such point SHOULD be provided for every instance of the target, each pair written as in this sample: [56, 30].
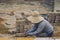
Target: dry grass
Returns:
[56, 31]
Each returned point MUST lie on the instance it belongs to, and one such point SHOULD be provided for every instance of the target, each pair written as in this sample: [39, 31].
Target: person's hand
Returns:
[25, 33]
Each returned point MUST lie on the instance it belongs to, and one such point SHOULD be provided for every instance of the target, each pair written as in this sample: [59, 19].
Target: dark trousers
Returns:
[44, 35]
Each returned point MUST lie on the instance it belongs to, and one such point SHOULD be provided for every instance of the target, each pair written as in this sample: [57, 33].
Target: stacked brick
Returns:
[57, 20]
[54, 18]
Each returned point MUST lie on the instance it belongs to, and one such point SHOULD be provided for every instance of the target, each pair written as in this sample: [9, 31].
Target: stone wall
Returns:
[26, 7]
[57, 6]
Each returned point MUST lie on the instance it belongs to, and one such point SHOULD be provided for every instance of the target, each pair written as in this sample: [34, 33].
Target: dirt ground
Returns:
[56, 31]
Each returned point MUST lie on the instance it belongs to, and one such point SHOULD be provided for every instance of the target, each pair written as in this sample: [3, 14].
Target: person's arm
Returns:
[39, 29]
[32, 29]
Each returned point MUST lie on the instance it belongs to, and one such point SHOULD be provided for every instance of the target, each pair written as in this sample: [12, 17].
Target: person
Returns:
[41, 27]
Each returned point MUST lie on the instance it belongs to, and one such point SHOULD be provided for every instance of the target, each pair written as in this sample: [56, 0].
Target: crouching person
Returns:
[41, 28]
